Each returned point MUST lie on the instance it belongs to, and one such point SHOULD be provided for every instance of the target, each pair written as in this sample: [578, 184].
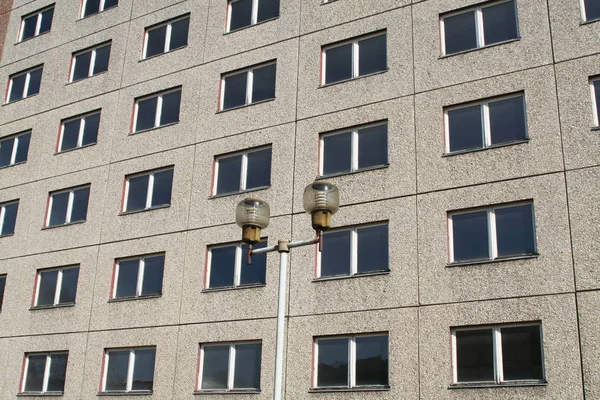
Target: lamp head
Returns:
[321, 200]
[252, 214]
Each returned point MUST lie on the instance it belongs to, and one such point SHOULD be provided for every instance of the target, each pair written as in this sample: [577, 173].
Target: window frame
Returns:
[57, 289]
[159, 95]
[38, 23]
[249, 85]
[46, 378]
[26, 72]
[253, 17]
[81, 131]
[595, 97]
[71, 200]
[92, 50]
[3, 215]
[168, 23]
[140, 278]
[100, 8]
[243, 170]
[237, 271]
[130, 370]
[4, 277]
[15, 149]
[150, 189]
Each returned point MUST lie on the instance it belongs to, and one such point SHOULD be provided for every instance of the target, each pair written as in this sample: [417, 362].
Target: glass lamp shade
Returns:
[252, 212]
[321, 196]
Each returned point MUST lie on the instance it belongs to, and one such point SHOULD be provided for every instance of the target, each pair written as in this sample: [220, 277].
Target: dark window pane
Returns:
[247, 366]
[372, 146]
[6, 150]
[263, 85]
[29, 24]
[146, 114]
[170, 107]
[163, 185]
[215, 367]
[2, 286]
[153, 275]
[58, 372]
[68, 288]
[337, 153]
[592, 9]
[338, 63]
[70, 134]
[82, 66]
[90, 130]
[372, 361]
[259, 169]
[235, 90]
[372, 55]
[58, 213]
[110, 3]
[35, 80]
[22, 148]
[102, 59]
[35, 373]
[91, 7]
[156, 41]
[466, 130]
[143, 369]
[499, 22]
[335, 257]
[46, 20]
[470, 235]
[222, 266]
[47, 289]
[373, 249]
[514, 229]
[597, 94]
[80, 204]
[17, 88]
[228, 179]
[475, 355]
[116, 373]
[267, 9]
[522, 353]
[138, 190]
[241, 14]
[127, 279]
[333, 362]
[507, 120]
[10, 218]
[179, 33]
[460, 32]
[255, 272]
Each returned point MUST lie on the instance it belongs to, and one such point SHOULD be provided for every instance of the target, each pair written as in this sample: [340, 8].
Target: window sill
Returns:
[96, 13]
[21, 99]
[57, 153]
[595, 128]
[122, 299]
[245, 105]
[323, 2]
[216, 196]
[358, 171]
[326, 85]
[162, 54]
[145, 393]
[7, 235]
[152, 129]
[144, 210]
[228, 288]
[63, 225]
[495, 260]
[12, 165]
[488, 385]
[354, 389]
[494, 146]
[480, 48]
[51, 307]
[86, 78]
[31, 38]
[250, 26]
[359, 275]
[31, 394]
[589, 21]
[235, 391]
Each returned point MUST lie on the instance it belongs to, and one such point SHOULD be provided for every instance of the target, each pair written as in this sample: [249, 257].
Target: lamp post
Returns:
[321, 199]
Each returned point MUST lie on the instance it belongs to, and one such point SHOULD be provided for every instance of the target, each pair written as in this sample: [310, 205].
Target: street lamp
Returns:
[321, 200]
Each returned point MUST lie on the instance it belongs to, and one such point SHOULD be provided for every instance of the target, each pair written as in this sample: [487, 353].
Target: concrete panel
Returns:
[144, 7]
[571, 37]
[588, 303]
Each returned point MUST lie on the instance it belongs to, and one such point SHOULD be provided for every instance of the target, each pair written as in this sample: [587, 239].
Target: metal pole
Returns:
[283, 262]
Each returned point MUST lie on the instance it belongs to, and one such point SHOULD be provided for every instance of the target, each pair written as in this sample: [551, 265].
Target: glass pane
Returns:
[46, 20]
[6, 150]
[460, 32]
[22, 148]
[337, 153]
[137, 192]
[507, 120]
[2, 286]
[335, 257]
[372, 55]
[372, 146]
[522, 353]
[91, 7]
[146, 114]
[466, 130]
[35, 80]
[153, 275]
[163, 186]
[235, 90]
[143, 370]
[58, 213]
[116, 373]
[222, 266]
[17, 87]
[372, 361]
[592, 9]
[475, 355]
[338, 63]
[58, 372]
[263, 84]
[241, 14]
[80, 204]
[127, 278]
[470, 235]
[82, 66]
[499, 22]
[47, 289]
[170, 107]
[90, 130]
[29, 27]
[70, 134]
[597, 95]
[247, 366]
[373, 249]
[102, 59]
[156, 41]
[228, 179]
[259, 169]
[68, 288]
[110, 3]
[179, 33]
[10, 218]
[332, 368]
[34, 382]
[255, 272]
[267, 9]
[514, 229]
[215, 367]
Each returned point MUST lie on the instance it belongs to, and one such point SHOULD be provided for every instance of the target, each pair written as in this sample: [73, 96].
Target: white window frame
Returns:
[140, 278]
[3, 292]
[81, 117]
[497, 351]
[46, 370]
[491, 228]
[69, 204]
[230, 366]
[237, 272]
[159, 103]
[25, 87]
[92, 60]
[243, 169]
[169, 26]
[130, 368]
[249, 84]
[100, 8]
[592, 80]
[13, 155]
[58, 287]
[150, 190]
[3, 214]
[38, 22]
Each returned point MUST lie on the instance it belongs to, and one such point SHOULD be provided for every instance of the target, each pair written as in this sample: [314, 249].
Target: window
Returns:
[492, 233]
[90, 62]
[68, 206]
[228, 266]
[14, 149]
[79, 131]
[591, 10]
[148, 190]
[157, 110]
[244, 13]
[166, 36]
[353, 251]
[498, 354]
[129, 370]
[138, 277]
[595, 88]
[351, 362]
[45, 372]
[24, 84]
[249, 86]
[357, 149]
[91, 7]
[353, 58]
[230, 367]
[8, 217]
[56, 286]
[244, 171]
[36, 23]
[485, 124]
[479, 27]
[2, 286]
